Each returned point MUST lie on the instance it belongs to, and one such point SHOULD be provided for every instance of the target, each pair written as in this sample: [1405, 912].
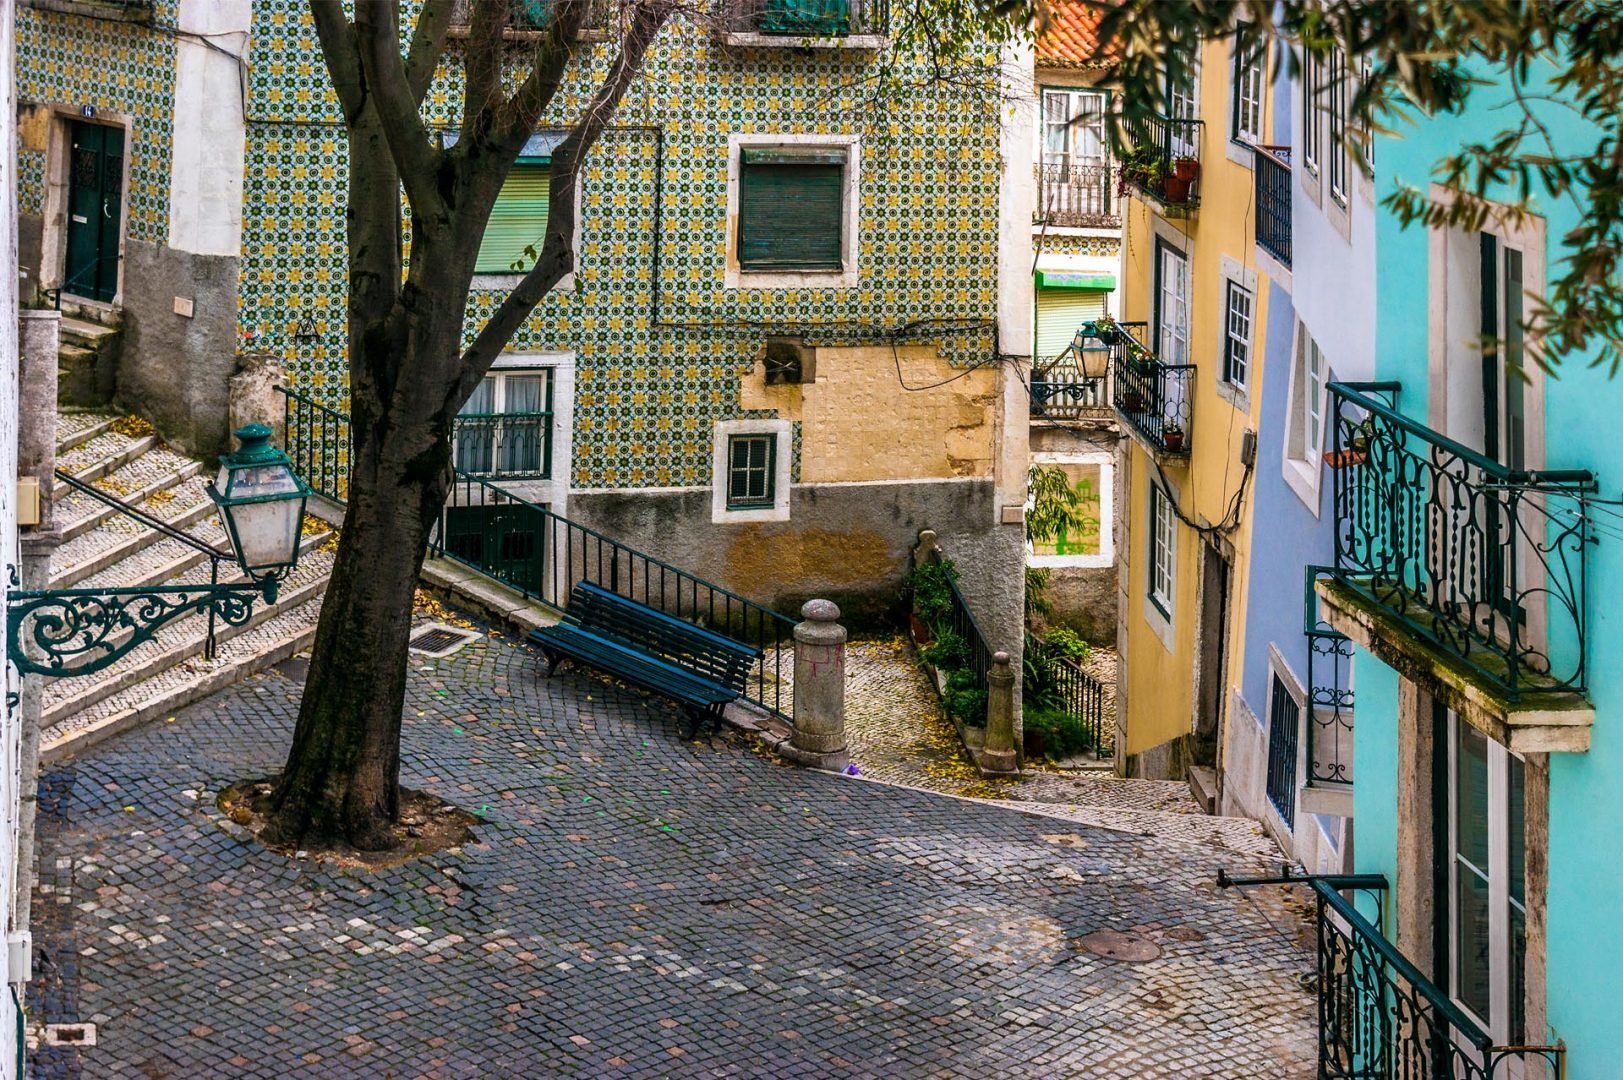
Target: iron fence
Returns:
[1074, 195]
[542, 554]
[1080, 696]
[1075, 384]
[961, 622]
[1483, 561]
[1165, 162]
[1271, 175]
[1329, 691]
[515, 445]
[1155, 398]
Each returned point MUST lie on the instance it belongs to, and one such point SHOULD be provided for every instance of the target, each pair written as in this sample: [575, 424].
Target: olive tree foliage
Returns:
[1426, 58]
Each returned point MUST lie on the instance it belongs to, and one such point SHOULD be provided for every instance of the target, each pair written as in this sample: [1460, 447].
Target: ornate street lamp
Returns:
[261, 500]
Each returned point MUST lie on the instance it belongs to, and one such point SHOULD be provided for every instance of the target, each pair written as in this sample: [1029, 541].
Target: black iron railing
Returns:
[1155, 398]
[514, 445]
[807, 18]
[1482, 561]
[1271, 174]
[1165, 163]
[1329, 692]
[1075, 384]
[1080, 696]
[542, 554]
[1380, 1018]
[961, 622]
[1074, 195]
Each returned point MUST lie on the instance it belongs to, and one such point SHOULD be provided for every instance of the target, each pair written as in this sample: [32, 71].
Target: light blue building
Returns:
[1474, 564]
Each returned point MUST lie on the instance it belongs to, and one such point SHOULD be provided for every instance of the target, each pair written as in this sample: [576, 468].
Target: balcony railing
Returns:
[1079, 196]
[1073, 385]
[1330, 694]
[1155, 398]
[1483, 562]
[807, 18]
[1271, 173]
[512, 445]
[1166, 163]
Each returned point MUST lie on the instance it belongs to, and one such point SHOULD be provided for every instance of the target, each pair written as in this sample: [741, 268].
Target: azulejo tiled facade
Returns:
[73, 61]
[654, 373]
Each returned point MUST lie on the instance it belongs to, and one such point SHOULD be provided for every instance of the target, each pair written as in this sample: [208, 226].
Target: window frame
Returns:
[1162, 250]
[722, 508]
[1107, 511]
[766, 470]
[1232, 288]
[498, 378]
[1249, 68]
[849, 274]
[1072, 95]
[1303, 450]
[1339, 170]
[1312, 113]
[1161, 562]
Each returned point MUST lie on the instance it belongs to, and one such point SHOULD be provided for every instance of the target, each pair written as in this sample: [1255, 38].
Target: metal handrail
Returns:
[54, 294]
[129, 510]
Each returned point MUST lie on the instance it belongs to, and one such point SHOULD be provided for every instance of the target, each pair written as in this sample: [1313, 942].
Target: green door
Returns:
[95, 211]
[503, 541]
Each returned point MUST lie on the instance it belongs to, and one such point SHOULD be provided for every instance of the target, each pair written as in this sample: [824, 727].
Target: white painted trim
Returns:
[1107, 509]
[554, 492]
[850, 246]
[783, 430]
[1239, 396]
[1305, 474]
[1077, 230]
[1101, 264]
[1160, 623]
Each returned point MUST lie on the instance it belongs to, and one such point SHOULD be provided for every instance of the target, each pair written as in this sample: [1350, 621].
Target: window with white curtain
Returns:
[504, 429]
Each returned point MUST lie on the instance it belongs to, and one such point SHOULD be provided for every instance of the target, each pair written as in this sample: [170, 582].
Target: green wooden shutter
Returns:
[1060, 313]
[791, 210]
[519, 220]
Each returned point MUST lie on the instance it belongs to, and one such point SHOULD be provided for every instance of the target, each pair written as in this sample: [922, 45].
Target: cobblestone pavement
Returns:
[635, 906]
[896, 734]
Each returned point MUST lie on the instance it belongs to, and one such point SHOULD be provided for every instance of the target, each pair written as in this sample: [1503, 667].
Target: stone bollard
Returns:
[819, 735]
[997, 755]
[253, 396]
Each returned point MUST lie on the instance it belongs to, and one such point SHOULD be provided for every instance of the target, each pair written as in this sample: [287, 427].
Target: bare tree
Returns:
[409, 374]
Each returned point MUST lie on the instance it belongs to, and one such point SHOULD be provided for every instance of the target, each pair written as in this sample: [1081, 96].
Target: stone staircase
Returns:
[103, 547]
[87, 361]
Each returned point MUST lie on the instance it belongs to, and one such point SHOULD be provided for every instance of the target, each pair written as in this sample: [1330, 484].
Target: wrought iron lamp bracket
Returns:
[69, 632]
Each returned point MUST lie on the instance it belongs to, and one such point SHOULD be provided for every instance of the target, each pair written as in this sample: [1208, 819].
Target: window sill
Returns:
[1303, 479]
[848, 42]
[747, 517]
[1241, 153]
[792, 279]
[509, 282]
[1235, 395]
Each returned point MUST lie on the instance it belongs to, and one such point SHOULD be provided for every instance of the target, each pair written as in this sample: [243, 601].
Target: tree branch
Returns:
[377, 25]
[482, 67]
[557, 256]
[338, 46]
[521, 112]
[427, 45]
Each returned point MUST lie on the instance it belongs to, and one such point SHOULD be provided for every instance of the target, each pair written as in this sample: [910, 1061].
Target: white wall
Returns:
[210, 127]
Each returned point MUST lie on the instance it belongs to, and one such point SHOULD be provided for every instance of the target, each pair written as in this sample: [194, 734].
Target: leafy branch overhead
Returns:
[1540, 66]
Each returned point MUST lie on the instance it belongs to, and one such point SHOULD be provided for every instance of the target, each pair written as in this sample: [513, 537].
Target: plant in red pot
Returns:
[1172, 437]
[1180, 182]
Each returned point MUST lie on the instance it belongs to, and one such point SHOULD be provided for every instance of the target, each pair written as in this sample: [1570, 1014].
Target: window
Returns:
[505, 429]
[1337, 75]
[1171, 304]
[1237, 335]
[750, 471]
[1247, 106]
[1183, 103]
[750, 468]
[1485, 880]
[1284, 728]
[1306, 427]
[1091, 479]
[1312, 85]
[1073, 127]
[518, 220]
[792, 208]
[1163, 540]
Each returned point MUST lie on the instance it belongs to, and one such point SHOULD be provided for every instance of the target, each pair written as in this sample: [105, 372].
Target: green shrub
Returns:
[926, 587]
[1063, 641]
[1052, 733]
[964, 700]
[948, 652]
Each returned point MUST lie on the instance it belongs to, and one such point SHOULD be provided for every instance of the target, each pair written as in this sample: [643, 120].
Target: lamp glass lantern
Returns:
[261, 502]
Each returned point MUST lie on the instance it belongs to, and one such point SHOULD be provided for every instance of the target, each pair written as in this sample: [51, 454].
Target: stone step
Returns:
[85, 334]
[180, 505]
[81, 429]
[163, 561]
[119, 539]
[178, 643]
[101, 466]
[149, 475]
[166, 692]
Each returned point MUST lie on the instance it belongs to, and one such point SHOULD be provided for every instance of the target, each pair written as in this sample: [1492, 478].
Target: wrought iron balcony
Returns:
[1482, 562]
[1330, 708]
[832, 19]
[1154, 398]
[511, 445]
[1073, 385]
[1271, 173]
[1165, 164]
[1077, 196]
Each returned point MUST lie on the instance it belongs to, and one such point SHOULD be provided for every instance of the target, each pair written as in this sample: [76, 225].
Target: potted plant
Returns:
[1103, 330]
[1172, 436]
[1181, 181]
[1357, 437]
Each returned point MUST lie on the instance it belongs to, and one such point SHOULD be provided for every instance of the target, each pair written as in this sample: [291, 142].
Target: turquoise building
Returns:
[1477, 543]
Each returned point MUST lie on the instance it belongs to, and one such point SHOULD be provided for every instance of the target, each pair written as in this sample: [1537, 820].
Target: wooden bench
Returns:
[699, 668]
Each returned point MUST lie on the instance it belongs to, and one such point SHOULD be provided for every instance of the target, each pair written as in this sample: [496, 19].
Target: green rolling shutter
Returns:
[1060, 313]
[791, 210]
[519, 220]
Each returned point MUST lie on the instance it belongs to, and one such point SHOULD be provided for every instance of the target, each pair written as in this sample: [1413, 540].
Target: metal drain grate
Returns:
[70, 1034]
[439, 640]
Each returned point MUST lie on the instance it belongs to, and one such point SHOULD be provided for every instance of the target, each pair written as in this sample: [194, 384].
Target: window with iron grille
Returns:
[1247, 106]
[751, 464]
[1163, 539]
[1237, 335]
[1284, 724]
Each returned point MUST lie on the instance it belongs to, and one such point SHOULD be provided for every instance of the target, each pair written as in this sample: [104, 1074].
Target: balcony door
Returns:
[1183, 103]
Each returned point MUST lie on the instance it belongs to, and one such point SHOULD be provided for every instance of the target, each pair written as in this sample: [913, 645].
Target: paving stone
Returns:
[636, 906]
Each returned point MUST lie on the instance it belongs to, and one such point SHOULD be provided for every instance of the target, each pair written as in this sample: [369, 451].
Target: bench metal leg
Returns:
[695, 719]
[553, 660]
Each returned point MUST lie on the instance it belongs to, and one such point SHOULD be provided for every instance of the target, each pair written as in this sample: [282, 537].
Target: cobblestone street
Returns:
[635, 906]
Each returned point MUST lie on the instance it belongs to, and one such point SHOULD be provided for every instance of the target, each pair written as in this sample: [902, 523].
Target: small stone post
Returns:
[819, 736]
[997, 755]
[253, 396]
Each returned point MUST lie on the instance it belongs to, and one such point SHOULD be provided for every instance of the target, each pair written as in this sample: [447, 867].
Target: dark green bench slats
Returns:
[699, 668]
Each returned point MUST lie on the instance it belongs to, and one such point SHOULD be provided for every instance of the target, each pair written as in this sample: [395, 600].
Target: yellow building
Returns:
[1186, 384]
